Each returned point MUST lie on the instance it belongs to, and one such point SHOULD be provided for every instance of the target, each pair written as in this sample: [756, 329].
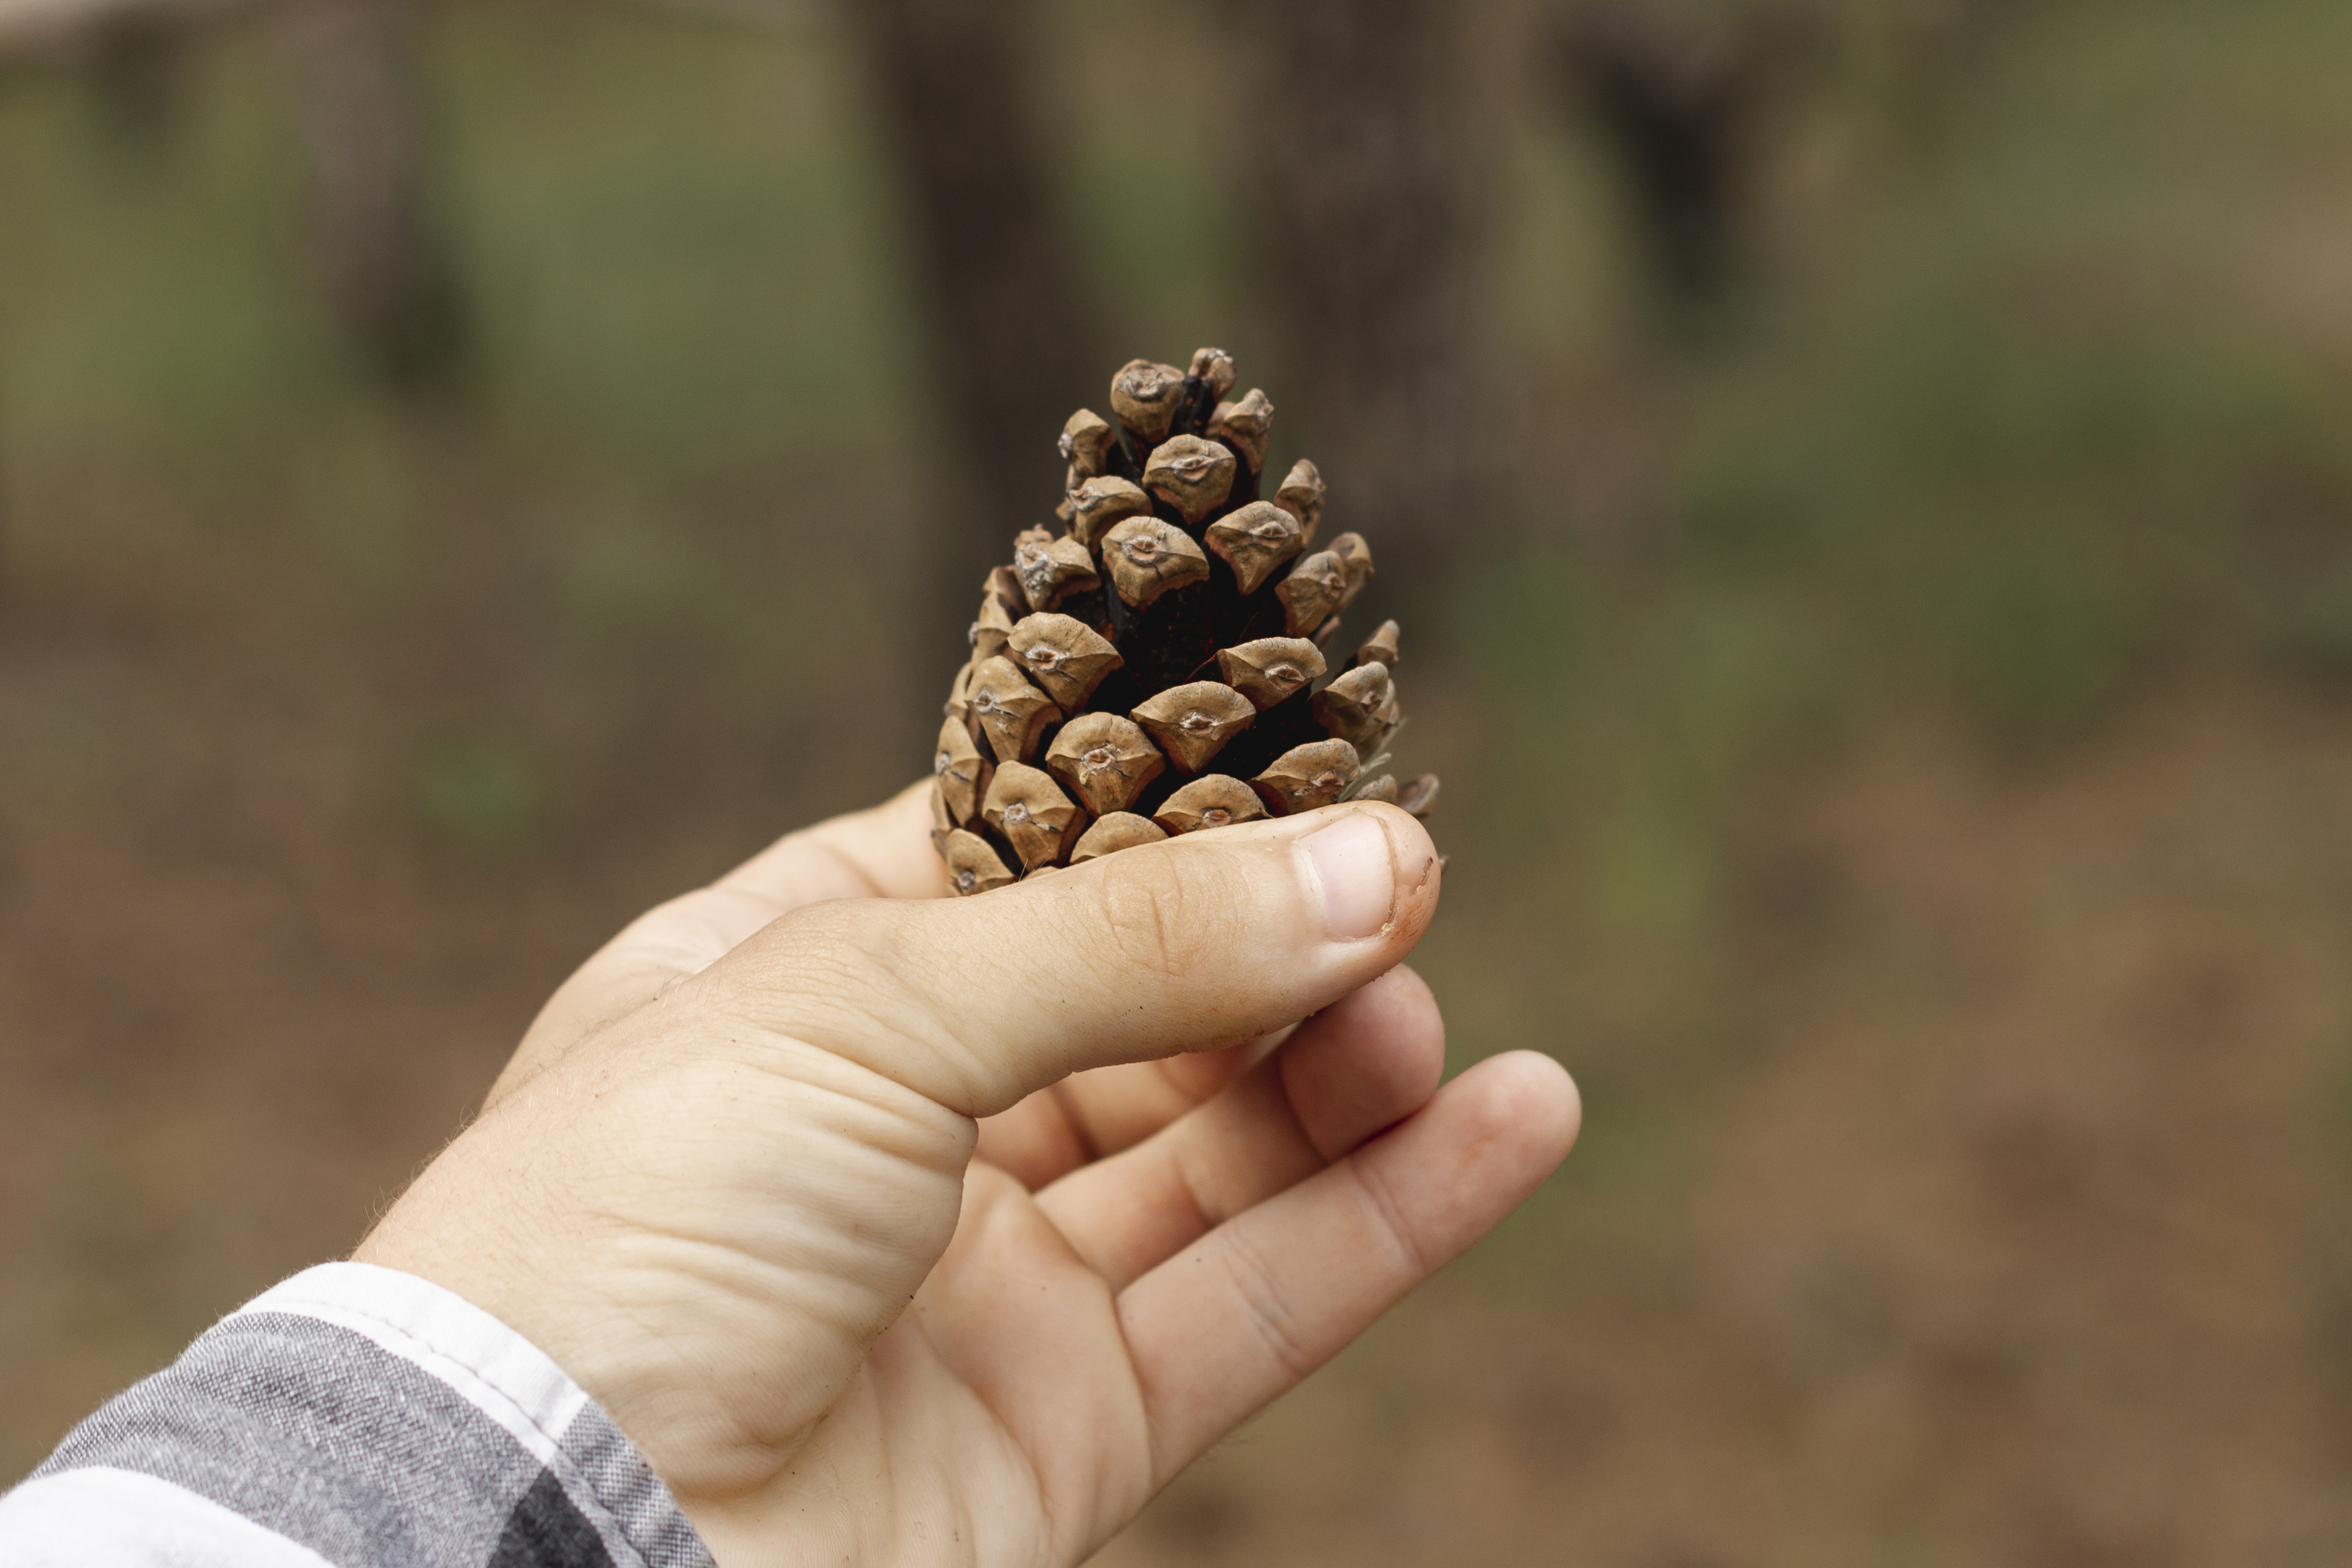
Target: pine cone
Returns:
[1167, 664]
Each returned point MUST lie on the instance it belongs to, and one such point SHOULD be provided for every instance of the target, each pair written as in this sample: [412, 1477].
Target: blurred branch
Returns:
[386, 275]
[29, 25]
[138, 66]
[381, 265]
[7, 517]
[786, 15]
[1680, 97]
[1013, 343]
[1362, 185]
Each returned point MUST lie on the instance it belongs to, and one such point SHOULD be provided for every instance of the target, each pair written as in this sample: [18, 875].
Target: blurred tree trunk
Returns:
[1360, 173]
[1681, 95]
[386, 275]
[1012, 344]
[138, 67]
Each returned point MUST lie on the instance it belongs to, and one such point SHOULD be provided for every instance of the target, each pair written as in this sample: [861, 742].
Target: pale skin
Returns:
[907, 1230]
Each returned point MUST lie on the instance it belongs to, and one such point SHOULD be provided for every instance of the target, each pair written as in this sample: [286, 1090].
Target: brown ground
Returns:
[2018, 1231]
[2021, 1236]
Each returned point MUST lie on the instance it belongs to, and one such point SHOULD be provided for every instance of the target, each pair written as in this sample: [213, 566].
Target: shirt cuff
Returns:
[368, 1417]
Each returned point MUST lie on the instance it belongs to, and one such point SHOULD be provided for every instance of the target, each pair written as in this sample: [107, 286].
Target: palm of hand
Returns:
[838, 1344]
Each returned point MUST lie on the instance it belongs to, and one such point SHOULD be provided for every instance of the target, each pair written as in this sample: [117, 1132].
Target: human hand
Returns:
[727, 1182]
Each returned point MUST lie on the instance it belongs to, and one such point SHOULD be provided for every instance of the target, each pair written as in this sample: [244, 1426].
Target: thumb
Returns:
[1198, 942]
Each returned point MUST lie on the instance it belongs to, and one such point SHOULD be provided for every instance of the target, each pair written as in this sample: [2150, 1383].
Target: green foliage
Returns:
[480, 795]
[2034, 399]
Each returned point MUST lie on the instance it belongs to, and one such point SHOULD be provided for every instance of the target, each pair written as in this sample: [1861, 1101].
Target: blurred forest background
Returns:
[1868, 484]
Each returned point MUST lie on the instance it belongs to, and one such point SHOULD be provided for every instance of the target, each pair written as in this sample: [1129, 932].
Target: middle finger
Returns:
[1091, 1115]
[1361, 1065]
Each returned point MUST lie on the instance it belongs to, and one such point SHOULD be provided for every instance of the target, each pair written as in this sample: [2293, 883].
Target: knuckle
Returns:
[1266, 1308]
[1160, 911]
[841, 976]
[827, 941]
[827, 968]
[1393, 1218]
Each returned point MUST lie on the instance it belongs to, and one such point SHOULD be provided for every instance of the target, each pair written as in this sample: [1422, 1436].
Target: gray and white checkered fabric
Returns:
[356, 1416]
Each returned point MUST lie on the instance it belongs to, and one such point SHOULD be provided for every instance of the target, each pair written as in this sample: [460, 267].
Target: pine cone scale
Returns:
[1167, 665]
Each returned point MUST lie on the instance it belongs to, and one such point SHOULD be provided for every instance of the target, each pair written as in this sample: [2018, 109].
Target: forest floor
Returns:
[1898, 745]
[2020, 1234]
[2012, 1224]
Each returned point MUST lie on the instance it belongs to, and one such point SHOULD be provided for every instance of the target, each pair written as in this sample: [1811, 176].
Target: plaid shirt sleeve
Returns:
[357, 1416]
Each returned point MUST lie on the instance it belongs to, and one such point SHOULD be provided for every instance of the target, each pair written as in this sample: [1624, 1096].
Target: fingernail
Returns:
[1357, 873]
